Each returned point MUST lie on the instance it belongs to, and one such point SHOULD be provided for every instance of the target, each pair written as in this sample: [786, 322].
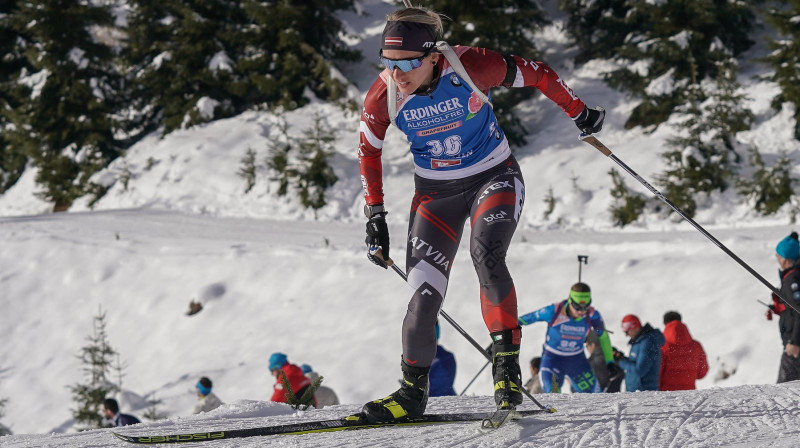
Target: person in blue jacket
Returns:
[643, 364]
[111, 412]
[568, 322]
[443, 371]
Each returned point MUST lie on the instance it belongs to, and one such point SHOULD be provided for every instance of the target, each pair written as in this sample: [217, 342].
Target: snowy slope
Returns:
[745, 416]
[275, 277]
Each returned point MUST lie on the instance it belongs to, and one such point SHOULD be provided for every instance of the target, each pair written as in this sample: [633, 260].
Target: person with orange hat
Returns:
[643, 364]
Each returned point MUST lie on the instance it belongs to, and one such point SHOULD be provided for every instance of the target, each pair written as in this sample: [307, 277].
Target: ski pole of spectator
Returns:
[582, 259]
[488, 350]
[597, 144]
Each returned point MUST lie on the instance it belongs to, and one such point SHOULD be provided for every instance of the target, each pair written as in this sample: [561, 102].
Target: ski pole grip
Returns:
[592, 140]
[378, 253]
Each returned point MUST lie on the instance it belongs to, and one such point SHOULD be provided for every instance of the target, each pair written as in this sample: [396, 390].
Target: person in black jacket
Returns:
[788, 254]
[111, 412]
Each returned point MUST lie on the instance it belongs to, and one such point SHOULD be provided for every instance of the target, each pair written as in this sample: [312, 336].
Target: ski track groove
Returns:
[617, 423]
[792, 411]
[677, 431]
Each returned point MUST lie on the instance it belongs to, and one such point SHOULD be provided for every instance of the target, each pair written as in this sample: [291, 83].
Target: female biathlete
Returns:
[463, 170]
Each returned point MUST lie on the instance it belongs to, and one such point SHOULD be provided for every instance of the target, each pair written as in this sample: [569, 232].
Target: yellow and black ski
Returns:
[352, 422]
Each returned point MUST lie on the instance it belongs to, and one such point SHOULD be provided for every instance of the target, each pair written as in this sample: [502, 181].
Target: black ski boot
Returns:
[505, 368]
[406, 403]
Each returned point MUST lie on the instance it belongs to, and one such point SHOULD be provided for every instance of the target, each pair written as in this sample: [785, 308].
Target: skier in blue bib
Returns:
[568, 323]
[439, 97]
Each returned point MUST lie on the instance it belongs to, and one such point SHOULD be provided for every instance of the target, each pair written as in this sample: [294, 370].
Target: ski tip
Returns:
[123, 437]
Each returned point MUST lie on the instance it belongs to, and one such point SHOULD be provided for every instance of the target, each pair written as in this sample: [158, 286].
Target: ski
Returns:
[500, 417]
[353, 422]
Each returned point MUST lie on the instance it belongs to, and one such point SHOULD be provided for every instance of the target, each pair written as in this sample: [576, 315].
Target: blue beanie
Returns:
[306, 368]
[789, 247]
[203, 389]
[277, 360]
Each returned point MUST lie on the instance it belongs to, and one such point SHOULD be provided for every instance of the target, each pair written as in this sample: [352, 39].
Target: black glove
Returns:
[618, 354]
[590, 121]
[378, 237]
[613, 370]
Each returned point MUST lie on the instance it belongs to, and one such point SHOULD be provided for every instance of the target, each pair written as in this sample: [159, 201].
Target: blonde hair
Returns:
[419, 14]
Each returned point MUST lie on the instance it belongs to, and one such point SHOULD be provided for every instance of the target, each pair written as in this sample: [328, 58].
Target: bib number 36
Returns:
[450, 146]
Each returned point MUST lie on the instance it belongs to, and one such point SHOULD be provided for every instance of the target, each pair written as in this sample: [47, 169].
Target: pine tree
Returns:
[97, 358]
[68, 124]
[627, 205]
[673, 45]
[785, 55]
[278, 158]
[4, 431]
[770, 187]
[176, 59]
[152, 413]
[193, 61]
[703, 159]
[505, 26]
[598, 27]
[14, 65]
[247, 170]
[314, 173]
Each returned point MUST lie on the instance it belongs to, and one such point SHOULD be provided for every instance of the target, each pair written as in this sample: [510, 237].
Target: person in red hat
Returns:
[643, 364]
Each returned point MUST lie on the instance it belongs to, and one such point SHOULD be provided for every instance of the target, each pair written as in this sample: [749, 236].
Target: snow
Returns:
[275, 277]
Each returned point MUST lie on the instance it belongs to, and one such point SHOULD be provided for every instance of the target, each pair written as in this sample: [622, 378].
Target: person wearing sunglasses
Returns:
[643, 364]
[463, 170]
[568, 323]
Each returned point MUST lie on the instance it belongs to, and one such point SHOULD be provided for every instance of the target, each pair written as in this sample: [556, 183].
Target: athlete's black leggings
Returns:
[492, 201]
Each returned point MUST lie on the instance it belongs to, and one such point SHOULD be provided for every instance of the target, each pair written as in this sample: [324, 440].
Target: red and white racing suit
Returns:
[463, 170]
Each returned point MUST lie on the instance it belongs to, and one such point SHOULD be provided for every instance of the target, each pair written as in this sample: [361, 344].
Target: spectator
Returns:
[111, 412]
[683, 359]
[206, 400]
[643, 364]
[278, 362]
[568, 322]
[534, 385]
[597, 360]
[443, 370]
[788, 253]
[324, 395]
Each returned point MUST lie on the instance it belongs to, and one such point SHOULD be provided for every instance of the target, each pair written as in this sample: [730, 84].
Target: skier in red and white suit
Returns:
[464, 169]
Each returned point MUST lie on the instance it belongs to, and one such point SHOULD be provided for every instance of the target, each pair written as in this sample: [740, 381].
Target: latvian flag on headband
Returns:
[393, 41]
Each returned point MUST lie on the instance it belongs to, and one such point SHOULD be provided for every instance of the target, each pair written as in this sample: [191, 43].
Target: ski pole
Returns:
[488, 349]
[585, 260]
[466, 335]
[592, 140]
